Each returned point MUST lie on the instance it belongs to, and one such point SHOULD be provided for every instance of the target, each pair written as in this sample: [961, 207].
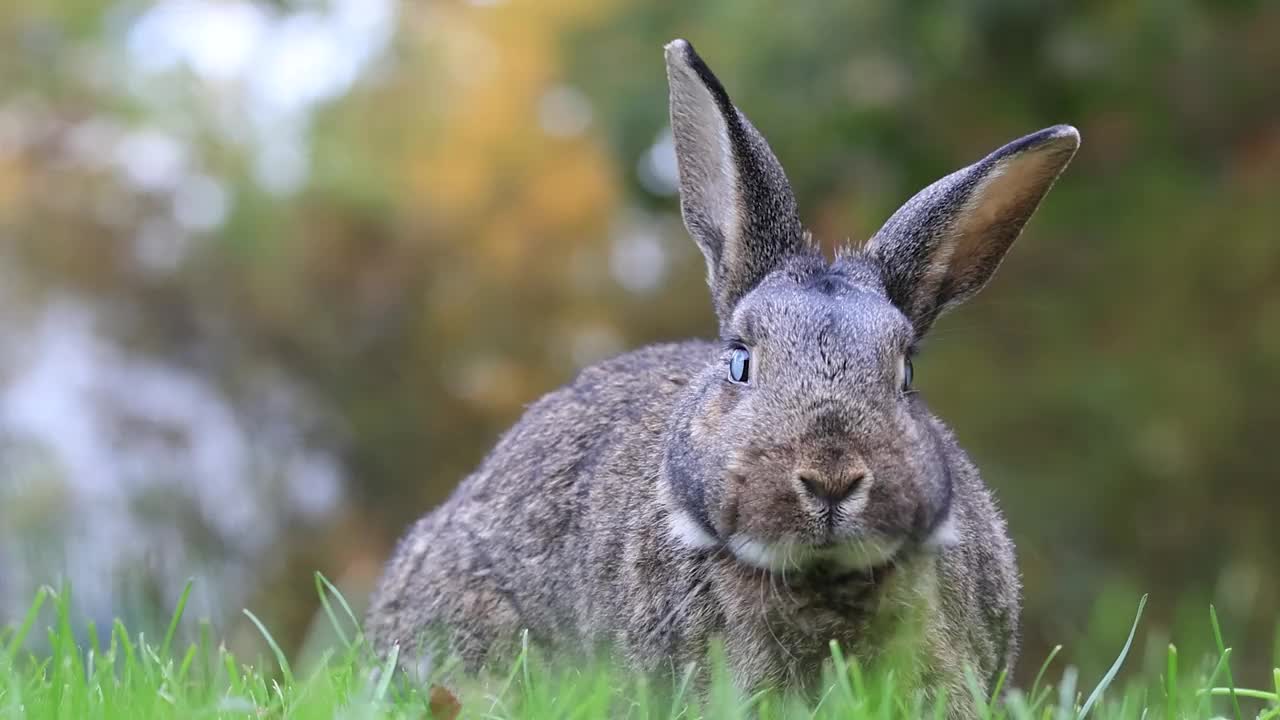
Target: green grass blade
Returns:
[120, 637]
[1217, 638]
[388, 671]
[234, 681]
[65, 645]
[999, 688]
[1044, 667]
[843, 674]
[323, 592]
[177, 617]
[29, 621]
[1171, 684]
[1242, 692]
[524, 661]
[1115, 667]
[517, 667]
[185, 666]
[342, 601]
[208, 651]
[1217, 670]
[678, 698]
[1066, 694]
[275, 648]
[817, 709]
[975, 692]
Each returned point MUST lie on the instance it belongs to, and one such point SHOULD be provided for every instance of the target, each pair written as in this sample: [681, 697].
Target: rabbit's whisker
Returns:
[719, 554]
[786, 585]
[764, 611]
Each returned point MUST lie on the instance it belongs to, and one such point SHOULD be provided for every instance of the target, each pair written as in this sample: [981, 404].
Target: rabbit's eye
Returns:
[740, 365]
[906, 373]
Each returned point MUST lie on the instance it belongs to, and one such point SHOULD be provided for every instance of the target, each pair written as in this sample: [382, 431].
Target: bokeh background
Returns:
[274, 275]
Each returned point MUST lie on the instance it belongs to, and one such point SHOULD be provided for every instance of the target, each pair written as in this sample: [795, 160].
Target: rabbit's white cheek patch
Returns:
[756, 553]
[689, 532]
[946, 535]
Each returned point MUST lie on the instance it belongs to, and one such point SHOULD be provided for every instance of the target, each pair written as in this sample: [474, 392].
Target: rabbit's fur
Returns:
[653, 505]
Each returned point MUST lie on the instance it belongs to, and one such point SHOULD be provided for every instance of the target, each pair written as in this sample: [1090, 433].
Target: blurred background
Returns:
[275, 275]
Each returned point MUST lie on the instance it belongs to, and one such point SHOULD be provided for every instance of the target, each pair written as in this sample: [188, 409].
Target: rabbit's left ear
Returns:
[735, 198]
[945, 243]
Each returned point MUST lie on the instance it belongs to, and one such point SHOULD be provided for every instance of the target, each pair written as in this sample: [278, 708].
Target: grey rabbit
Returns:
[775, 489]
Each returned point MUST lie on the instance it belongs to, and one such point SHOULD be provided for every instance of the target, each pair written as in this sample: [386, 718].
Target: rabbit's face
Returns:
[804, 434]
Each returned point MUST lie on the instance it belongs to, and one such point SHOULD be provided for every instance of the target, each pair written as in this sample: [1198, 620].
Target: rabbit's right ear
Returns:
[735, 198]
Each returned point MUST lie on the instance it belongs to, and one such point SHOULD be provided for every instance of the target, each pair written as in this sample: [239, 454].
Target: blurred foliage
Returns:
[487, 207]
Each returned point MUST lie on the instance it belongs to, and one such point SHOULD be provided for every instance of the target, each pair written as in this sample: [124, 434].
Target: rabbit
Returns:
[773, 490]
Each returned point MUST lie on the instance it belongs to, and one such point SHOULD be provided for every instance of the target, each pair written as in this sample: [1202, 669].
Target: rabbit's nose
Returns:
[827, 487]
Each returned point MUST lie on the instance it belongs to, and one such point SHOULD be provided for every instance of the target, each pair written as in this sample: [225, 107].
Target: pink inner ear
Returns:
[996, 210]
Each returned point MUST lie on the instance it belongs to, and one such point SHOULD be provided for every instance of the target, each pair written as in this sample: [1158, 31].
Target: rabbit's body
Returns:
[778, 489]
[555, 533]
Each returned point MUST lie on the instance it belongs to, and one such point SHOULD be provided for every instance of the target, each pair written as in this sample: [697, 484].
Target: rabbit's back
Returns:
[513, 547]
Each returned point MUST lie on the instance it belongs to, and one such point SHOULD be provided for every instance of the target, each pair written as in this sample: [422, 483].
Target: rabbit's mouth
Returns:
[833, 551]
[845, 554]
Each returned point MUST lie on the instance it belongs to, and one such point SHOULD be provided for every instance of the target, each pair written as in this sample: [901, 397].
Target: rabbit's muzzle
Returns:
[827, 499]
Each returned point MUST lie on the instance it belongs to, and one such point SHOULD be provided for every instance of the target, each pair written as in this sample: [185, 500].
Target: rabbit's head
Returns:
[803, 442]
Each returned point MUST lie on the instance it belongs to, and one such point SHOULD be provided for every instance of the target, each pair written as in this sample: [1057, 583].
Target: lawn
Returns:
[134, 676]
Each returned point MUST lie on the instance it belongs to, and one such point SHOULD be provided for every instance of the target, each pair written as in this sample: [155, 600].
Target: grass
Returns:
[135, 677]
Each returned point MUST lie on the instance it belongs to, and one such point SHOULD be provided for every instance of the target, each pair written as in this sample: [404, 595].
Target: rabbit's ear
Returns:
[735, 198]
[947, 241]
